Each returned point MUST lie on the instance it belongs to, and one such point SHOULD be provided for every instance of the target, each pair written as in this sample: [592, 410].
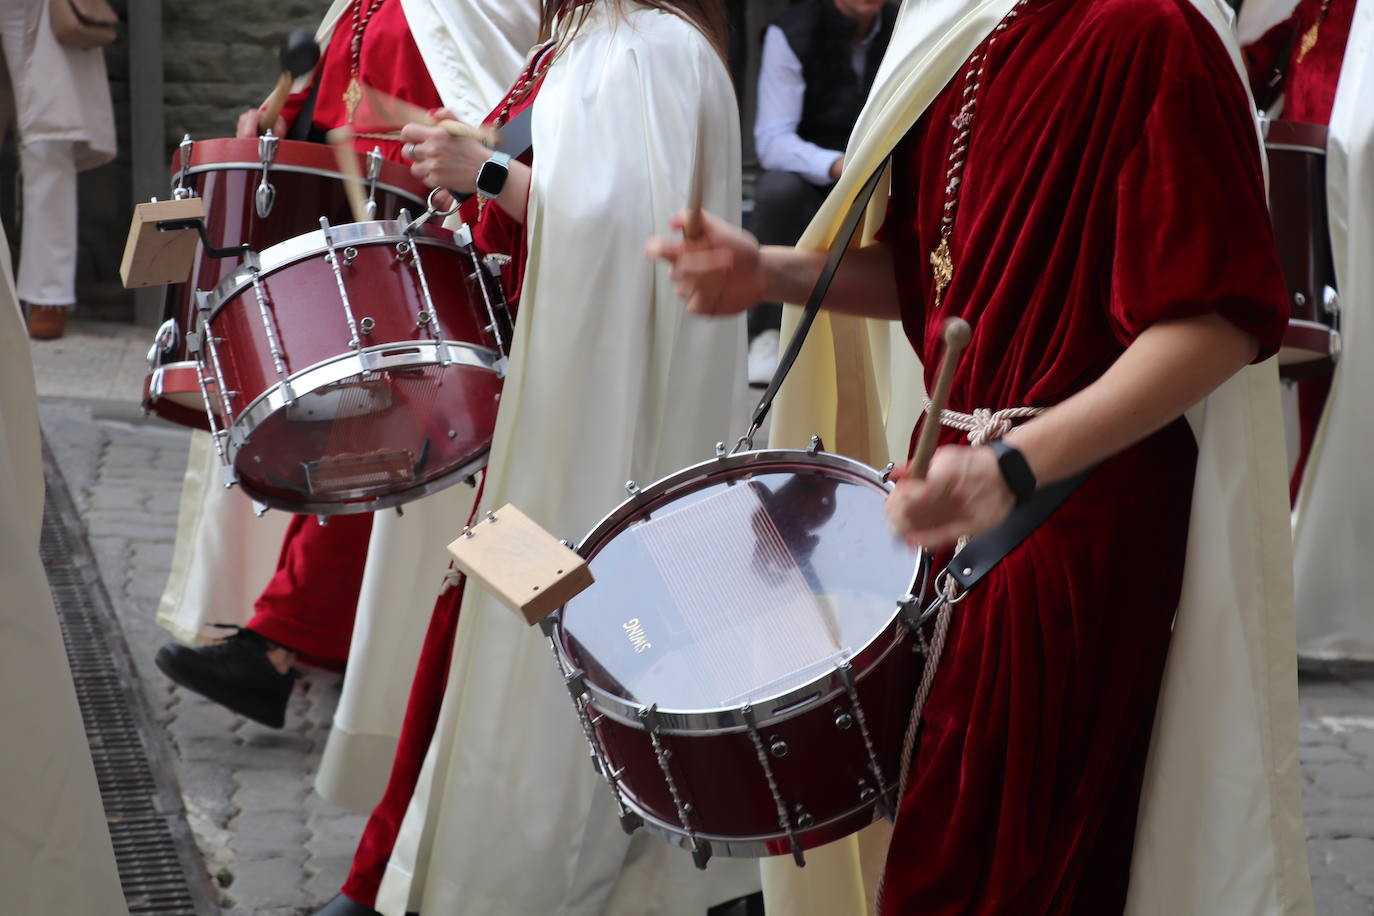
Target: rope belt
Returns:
[984, 425]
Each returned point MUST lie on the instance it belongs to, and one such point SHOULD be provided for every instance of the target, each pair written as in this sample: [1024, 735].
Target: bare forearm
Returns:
[1165, 371]
[865, 285]
[514, 197]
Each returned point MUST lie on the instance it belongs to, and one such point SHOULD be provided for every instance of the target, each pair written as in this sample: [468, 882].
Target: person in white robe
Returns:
[55, 852]
[65, 124]
[608, 381]
[1220, 827]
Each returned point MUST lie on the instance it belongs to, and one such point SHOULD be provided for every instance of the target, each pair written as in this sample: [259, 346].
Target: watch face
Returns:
[491, 178]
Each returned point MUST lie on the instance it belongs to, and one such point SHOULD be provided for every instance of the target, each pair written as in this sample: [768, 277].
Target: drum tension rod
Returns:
[176, 225]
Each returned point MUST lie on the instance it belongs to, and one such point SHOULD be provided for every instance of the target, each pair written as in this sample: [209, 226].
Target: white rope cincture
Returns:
[983, 425]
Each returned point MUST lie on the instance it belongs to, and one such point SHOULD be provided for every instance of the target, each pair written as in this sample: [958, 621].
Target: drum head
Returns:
[727, 585]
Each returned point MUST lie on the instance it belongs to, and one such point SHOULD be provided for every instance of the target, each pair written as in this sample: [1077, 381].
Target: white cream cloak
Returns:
[55, 852]
[1333, 523]
[1220, 826]
[610, 380]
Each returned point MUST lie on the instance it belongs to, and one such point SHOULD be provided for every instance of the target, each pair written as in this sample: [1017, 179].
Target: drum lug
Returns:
[374, 171]
[701, 853]
[230, 476]
[887, 472]
[816, 446]
[632, 488]
[721, 450]
[181, 192]
[630, 822]
[266, 194]
[193, 342]
[910, 612]
[259, 509]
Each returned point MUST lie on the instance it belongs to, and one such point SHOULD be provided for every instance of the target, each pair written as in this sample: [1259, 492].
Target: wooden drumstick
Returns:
[957, 336]
[341, 139]
[389, 111]
[691, 226]
[299, 55]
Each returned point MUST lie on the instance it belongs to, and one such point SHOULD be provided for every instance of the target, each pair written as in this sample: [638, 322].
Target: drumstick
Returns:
[957, 336]
[389, 111]
[341, 139]
[691, 225]
[299, 55]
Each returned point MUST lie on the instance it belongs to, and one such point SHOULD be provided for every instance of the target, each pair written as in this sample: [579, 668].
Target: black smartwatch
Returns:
[1015, 471]
[491, 177]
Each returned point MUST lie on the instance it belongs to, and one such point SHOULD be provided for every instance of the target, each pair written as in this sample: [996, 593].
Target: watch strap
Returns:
[1015, 470]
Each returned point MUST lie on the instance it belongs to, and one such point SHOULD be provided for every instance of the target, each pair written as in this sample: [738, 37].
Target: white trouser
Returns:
[47, 243]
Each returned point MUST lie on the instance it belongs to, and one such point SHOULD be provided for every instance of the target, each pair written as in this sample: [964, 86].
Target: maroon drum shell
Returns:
[824, 770]
[312, 329]
[225, 173]
[1297, 203]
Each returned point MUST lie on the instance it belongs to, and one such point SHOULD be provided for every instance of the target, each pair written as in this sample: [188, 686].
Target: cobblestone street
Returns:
[271, 844]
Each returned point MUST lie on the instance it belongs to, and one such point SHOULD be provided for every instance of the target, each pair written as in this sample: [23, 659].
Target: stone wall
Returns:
[220, 56]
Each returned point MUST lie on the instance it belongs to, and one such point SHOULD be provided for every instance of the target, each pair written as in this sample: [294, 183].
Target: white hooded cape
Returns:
[1334, 518]
[609, 380]
[1221, 823]
[225, 556]
[55, 852]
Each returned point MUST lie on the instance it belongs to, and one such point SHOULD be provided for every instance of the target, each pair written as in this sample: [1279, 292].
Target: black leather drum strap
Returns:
[813, 302]
[975, 561]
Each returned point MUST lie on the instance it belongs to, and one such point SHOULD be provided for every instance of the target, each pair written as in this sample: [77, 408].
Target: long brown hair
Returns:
[707, 15]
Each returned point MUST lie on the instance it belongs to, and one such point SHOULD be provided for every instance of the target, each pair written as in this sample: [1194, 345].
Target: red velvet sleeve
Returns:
[1192, 225]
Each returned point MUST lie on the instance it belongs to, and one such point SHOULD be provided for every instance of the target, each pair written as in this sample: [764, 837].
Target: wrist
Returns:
[1015, 470]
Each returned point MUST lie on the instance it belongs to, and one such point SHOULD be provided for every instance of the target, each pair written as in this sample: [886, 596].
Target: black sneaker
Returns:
[236, 674]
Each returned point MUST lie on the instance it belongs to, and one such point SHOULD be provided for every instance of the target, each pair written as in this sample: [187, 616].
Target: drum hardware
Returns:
[374, 171]
[701, 849]
[367, 325]
[164, 342]
[266, 194]
[784, 820]
[332, 258]
[181, 191]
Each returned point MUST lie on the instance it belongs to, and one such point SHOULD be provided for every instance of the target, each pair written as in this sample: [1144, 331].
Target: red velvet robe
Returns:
[494, 231]
[312, 599]
[1113, 181]
[1309, 92]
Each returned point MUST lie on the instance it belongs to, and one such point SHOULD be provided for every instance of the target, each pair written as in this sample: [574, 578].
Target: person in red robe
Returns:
[306, 612]
[1300, 59]
[1110, 244]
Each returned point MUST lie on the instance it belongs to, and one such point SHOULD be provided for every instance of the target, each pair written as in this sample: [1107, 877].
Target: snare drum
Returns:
[744, 665]
[257, 192]
[355, 367]
[1297, 204]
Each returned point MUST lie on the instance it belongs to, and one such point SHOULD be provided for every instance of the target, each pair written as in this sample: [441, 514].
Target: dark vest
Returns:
[823, 40]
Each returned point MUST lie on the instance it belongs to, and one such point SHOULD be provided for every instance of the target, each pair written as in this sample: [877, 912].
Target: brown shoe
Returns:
[47, 322]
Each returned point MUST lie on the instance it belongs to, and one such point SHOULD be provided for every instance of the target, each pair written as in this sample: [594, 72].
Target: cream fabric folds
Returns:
[610, 380]
[60, 93]
[1334, 522]
[1221, 823]
[55, 853]
[1259, 16]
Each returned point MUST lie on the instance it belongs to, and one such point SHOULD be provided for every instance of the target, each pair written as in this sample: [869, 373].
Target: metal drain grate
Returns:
[159, 864]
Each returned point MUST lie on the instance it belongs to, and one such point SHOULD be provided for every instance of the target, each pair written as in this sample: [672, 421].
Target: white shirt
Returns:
[782, 89]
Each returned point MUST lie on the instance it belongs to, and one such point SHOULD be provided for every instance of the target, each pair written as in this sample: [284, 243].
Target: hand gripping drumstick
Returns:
[957, 336]
[299, 55]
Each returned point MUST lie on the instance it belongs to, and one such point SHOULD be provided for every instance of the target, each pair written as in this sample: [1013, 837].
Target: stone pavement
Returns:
[275, 847]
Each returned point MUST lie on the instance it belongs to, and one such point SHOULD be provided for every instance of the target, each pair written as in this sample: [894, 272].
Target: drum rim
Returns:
[728, 720]
[381, 185]
[757, 846]
[312, 244]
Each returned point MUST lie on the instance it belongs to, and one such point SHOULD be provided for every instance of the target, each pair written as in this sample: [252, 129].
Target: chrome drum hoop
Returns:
[764, 846]
[312, 245]
[894, 634]
[410, 354]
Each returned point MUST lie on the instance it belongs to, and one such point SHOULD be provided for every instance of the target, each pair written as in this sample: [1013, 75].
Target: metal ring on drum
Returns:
[751, 615]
